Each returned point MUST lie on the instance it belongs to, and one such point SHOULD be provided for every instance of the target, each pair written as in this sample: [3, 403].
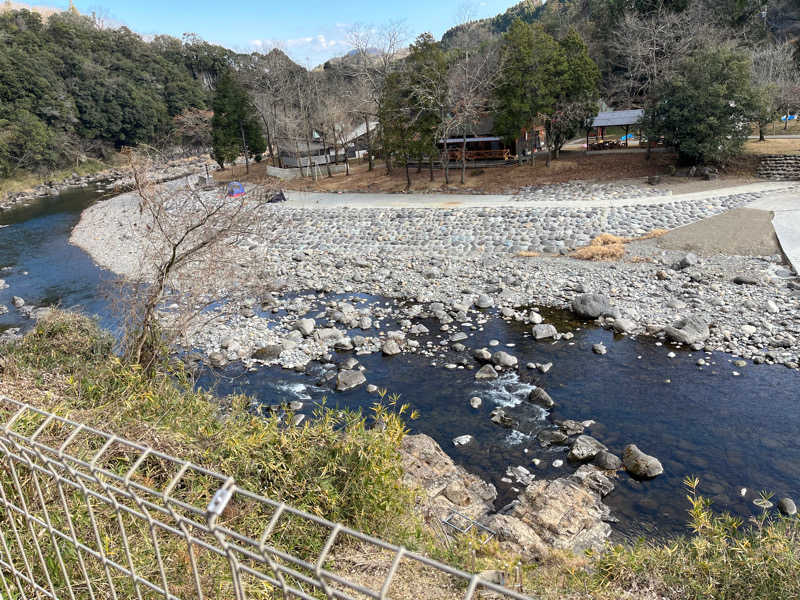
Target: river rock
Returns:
[268, 353]
[565, 513]
[17, 301]
[787, 506]
[500, 417]
[428, 468]
[390, 348]
[486, 372]
[346, 380]
[688, 330]
[623, 325]
[482, 355]
[217, 359]
[475, 402]
[484, 301]
[541, 397]
[305, 326]
[591, 306]
[585, 447]
[462, 440]
[599, 349]
[688, 260]
[543, 331]
[504, 359]
[551, 436]
[639, 464]
[607, 461]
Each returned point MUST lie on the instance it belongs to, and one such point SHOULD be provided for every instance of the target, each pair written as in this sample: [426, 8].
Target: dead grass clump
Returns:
[527, 254]
[611, 247]
[600, 252]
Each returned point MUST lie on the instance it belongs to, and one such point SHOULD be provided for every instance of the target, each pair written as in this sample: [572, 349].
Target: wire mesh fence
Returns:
[86, 514]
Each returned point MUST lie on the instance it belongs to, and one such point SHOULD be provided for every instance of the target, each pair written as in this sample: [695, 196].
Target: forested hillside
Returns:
[70, 89]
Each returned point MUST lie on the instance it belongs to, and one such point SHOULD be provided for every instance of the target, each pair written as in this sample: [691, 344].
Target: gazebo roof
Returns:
[618, 117]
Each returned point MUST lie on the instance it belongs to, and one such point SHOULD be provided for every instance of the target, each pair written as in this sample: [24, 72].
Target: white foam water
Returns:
[507, 391]
[297, 390]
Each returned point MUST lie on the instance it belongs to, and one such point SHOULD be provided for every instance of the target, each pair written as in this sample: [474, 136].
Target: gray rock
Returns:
[623, 325]
[305, 326]
[484, 301]
[297, 419]
[500, 417]
[543, 331]
[570, 427]
[346, 380]
[217, 359]
[787, 506]
[458, 337]
[639, 464]
[482, 355]
[591, 306]
[540, 397]
[17, 301]
[607, 461]
[687, 261]
[504, 359]
[688, 330]
[746, 280]
[462, 440]
[585, 447]
[599, 349]
[486, 372]
[390, 348]
[475, 402]
[545, 367]
[268, 353]
[551, 436]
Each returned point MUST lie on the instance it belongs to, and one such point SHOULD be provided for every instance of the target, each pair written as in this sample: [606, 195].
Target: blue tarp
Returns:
[791, 117]
[235, 189]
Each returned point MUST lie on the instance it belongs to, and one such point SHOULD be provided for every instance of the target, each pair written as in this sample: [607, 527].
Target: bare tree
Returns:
[186, 237]
[778, 81]
[376, 51]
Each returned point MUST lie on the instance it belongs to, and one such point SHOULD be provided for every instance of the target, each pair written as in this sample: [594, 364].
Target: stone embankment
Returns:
[780, 167]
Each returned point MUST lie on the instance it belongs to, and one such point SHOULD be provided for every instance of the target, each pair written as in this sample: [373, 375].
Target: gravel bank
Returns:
[453, 263]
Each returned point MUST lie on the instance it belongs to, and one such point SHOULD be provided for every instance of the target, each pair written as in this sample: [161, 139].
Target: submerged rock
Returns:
[787, 506]
[607, 461]
[486, 372]
[544, 331]
[540, 397]
[639, 464]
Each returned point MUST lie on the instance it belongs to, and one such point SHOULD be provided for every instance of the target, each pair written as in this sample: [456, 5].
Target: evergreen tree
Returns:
[234, 128]
[704, 110]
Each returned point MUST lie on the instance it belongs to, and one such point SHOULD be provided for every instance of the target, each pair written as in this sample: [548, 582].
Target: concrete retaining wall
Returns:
[302, 171]
[780, 167]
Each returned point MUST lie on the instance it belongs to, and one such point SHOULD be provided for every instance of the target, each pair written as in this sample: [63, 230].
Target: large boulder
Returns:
[305, 326]
[541, 397]
[486, 372]
[390, 348]
[565, 513]
[591, 306]
[585, 447]
[543, 331]
[504, 359]
[688, 330]
[268, 353]
[447, 487]
[349, 379]
[639, 464]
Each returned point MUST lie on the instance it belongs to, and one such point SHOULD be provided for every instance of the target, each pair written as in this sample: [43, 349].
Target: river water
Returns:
[733, 432]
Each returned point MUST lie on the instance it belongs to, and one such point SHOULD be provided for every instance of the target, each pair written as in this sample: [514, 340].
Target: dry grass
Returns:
[610, 247]
[788, 146]
[528, 254]
[509, 179]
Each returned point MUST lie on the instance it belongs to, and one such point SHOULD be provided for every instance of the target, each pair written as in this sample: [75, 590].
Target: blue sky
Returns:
[310, 31]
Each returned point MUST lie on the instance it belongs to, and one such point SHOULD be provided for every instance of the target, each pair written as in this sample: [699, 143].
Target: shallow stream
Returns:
[733, 432]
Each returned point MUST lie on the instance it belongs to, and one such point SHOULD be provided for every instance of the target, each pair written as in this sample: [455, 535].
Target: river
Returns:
[733, 432]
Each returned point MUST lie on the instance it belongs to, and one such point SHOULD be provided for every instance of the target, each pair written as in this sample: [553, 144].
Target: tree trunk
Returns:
[446, 160]
[269, 139]
[346, 165]
[369, 143]
[308, 157]
[297, 158]
[430, 165]
[519, 150]
[327, 157]
[335, 147]
[244, 147]
[408, 174]
[761, 137]
[463, 154]
[419, 164]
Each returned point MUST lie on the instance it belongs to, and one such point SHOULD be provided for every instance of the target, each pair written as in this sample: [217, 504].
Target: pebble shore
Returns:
[451, 262]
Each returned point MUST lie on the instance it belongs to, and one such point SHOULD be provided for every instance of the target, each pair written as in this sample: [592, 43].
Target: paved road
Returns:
[785, 209]
[369, 200]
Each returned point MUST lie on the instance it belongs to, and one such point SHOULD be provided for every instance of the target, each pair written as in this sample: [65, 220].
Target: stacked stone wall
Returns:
[780, 167]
